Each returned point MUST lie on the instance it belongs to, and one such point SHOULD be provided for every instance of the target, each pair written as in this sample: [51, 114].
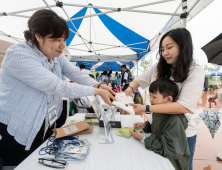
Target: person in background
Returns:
[125, 78]
[82, 68]
[104, 79]
[109, 77]
[97, 77]
[206, 83]
[115, 78]
[119, 80]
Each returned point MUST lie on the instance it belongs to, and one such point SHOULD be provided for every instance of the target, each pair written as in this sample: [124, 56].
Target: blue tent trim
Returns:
[216, 72]
[122, 33]
[77, 24]
[114, 66]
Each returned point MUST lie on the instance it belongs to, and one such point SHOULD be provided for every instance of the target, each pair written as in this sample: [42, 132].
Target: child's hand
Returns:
[136, 134]
[138, 107]
[139, 125]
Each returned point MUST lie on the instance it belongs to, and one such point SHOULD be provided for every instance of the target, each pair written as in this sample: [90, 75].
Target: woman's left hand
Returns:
[108, 89]
[136, 134]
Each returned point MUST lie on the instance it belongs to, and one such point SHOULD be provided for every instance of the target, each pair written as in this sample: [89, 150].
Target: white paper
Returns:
[123, 102]
[70, 129]
[76, 149]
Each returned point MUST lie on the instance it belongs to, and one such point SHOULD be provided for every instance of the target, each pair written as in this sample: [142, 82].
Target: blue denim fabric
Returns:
[192, 145]
[206, 86]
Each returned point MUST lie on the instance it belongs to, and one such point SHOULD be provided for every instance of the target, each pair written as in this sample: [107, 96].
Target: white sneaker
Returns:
[219, 156]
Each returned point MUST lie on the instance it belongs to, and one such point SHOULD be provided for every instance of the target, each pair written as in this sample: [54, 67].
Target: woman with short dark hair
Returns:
[32, 81]
[176, 63]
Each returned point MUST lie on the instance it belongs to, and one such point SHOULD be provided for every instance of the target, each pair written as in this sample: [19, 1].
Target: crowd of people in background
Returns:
[119, 79]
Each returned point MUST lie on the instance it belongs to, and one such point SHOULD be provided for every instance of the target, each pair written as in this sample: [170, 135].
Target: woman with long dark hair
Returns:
[32, 81]
[176, 63]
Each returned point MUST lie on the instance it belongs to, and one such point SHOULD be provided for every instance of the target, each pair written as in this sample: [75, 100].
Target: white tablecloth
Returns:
[124, 154]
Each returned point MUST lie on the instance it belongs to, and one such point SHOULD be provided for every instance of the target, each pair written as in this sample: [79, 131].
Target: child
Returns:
[168, 137]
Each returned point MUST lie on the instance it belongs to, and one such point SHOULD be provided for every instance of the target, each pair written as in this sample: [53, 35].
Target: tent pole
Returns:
[193, 5]
[184, 8]
[28, 10]
[116, 9]
[90, 43]
[15, 15]
[139, 11]
[164, 28]
[121, 45]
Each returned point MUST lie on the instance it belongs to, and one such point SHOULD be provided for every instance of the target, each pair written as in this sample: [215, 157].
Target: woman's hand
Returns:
[212, 98]
[139, 125]
[138, 108]
[108, 89]
[106, 95]
[136, 134]
[128, 91]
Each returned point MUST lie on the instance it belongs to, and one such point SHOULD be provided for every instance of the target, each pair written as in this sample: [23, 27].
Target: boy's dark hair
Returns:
[82, 66]
[123, 66]
[46, 22]
[166, 87]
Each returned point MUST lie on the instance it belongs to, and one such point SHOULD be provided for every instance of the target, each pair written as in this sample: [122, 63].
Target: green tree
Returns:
[145, 67]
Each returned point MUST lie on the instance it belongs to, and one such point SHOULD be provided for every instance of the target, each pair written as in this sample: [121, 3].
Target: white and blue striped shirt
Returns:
[25, 84]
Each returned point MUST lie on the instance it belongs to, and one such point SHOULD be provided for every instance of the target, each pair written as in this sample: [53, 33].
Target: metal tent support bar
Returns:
[129, 9]
[184, 8]
[164, 28]
[28, 10]
[121, 45]
[15, 15]
[15, 38]
[193, 6]
[139, 11]
[78, 49]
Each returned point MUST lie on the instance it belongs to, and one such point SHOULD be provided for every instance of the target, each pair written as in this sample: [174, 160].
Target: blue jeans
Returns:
[206, 86]
[192, 145]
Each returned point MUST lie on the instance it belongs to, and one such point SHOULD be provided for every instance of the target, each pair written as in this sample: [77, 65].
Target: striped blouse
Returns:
[26, 84]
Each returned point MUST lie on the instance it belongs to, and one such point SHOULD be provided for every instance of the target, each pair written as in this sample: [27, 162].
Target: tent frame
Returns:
[90, 47]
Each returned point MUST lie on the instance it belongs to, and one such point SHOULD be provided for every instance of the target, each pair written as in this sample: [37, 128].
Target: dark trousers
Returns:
[125, 87]
[14, 153]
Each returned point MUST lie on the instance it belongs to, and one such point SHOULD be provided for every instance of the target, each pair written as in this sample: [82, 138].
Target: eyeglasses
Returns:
[52, 162]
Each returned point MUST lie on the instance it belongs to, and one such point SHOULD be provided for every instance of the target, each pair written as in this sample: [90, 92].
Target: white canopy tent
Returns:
[93, 41]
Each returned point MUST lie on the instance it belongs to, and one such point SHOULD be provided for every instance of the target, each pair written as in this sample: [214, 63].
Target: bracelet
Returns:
[143, 139]
[99, 85]
[131, 88]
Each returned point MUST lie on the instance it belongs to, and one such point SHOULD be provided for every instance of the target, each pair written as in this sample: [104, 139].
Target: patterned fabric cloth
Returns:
[27, 84]
[211, 119]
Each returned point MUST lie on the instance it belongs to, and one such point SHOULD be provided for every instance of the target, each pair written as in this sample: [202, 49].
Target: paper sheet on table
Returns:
[129, 120]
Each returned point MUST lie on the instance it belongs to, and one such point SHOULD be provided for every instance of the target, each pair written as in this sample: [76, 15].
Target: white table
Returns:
[124, 154]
